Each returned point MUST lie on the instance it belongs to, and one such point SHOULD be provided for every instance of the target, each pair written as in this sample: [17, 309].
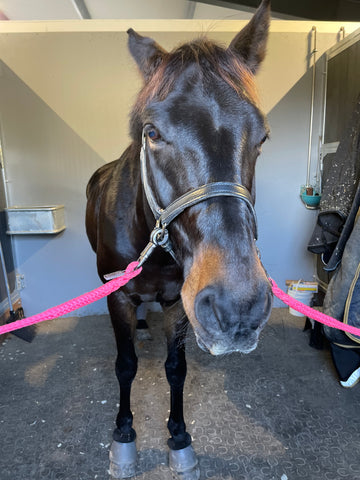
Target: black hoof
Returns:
[142, 330]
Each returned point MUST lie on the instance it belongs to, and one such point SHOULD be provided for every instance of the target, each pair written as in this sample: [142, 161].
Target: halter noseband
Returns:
[160, 235]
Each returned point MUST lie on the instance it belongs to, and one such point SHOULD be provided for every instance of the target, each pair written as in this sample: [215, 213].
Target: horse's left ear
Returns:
[145, 51]
[250, 42]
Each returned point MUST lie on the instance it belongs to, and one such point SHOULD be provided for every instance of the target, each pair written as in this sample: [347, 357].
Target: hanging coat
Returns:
[340, 198]
[342, 299]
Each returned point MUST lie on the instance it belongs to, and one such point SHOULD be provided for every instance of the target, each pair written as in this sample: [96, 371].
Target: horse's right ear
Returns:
[145, 51]
[250, 42]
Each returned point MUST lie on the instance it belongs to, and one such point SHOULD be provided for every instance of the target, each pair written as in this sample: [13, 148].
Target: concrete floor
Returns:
[277, 413]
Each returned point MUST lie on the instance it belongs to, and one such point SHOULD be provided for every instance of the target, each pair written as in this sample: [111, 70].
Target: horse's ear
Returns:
[145, 51]
[250, 42]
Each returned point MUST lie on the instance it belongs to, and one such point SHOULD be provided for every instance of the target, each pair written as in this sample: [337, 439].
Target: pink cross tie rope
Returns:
[131, 272]
[78, 302]
[311, 313]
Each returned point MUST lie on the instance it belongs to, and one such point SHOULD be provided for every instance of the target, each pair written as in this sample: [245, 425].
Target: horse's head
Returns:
[199, 113]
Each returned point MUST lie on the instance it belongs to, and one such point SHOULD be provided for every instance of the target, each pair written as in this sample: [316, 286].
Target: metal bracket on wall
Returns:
[20, 281]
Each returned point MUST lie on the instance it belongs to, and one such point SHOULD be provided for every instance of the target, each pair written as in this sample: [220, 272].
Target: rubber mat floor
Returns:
[277, 413]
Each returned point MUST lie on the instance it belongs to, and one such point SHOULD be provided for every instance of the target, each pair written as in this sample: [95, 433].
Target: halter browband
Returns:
[164, 216]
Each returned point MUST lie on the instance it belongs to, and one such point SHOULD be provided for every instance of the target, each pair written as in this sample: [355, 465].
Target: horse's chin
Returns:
[217, 348]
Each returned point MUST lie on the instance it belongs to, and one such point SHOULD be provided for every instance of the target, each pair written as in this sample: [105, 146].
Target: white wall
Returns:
[66, 91]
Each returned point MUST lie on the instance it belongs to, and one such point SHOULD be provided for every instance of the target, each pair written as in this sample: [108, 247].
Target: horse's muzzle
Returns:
[226, 323]
[227, 299]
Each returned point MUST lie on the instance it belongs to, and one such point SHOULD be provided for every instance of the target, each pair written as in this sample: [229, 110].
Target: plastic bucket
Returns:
[301, 296]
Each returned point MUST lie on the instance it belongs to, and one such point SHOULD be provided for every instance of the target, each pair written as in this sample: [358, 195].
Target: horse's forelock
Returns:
[213, 60]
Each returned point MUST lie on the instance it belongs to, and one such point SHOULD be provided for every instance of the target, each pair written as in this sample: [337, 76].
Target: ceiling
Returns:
[328, 10]
[117, 9]
[324, 10]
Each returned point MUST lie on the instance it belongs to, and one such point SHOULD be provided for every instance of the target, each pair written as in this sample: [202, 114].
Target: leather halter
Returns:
[164, 216]
[197, 195]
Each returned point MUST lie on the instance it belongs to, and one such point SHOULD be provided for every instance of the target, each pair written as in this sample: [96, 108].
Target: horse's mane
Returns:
[214, 62]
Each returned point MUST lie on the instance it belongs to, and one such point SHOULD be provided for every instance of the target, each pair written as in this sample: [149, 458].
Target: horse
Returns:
[185, 183]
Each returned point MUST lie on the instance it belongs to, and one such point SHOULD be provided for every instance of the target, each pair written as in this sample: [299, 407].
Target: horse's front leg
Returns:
[123, 455]
[182, 458]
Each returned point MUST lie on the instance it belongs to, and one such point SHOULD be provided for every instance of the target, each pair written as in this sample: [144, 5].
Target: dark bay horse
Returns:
[196, 131]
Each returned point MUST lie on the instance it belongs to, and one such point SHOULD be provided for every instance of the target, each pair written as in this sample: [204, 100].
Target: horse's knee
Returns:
[175, 368]
[126, 368]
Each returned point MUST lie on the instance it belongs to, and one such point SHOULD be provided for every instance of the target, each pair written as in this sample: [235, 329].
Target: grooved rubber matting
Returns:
[278, 413]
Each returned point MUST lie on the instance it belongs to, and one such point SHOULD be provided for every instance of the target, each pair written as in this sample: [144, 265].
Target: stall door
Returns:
[7, 268]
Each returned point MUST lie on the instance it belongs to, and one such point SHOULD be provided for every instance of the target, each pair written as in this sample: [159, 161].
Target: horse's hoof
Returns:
[142, 331]
[123, 458]
[143, 334]
[184, 463]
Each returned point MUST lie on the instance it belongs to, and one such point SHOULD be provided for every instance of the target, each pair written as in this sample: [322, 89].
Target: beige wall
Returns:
[85, 74]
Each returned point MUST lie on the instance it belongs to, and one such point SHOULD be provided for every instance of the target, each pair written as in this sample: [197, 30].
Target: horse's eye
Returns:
[153, 134]
[260, 144]
[263, 140]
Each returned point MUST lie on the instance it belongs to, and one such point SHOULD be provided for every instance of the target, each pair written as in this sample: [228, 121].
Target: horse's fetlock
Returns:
[124, 434]
[178, 441]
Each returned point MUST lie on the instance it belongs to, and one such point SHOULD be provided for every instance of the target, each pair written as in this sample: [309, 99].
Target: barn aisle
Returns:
[278, 413]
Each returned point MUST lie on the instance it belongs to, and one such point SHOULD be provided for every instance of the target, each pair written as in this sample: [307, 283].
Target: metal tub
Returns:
[35, 220]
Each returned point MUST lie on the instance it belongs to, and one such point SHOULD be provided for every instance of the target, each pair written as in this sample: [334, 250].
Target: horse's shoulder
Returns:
[112, 174]
[100, 177]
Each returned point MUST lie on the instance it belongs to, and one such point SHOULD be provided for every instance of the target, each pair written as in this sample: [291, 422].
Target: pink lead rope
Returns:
[311, 313]
[78, 302]
[131, 272]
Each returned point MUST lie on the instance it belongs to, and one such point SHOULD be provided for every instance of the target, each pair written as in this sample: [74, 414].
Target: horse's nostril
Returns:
[211, 311]
[204, 303]
[208, 301]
